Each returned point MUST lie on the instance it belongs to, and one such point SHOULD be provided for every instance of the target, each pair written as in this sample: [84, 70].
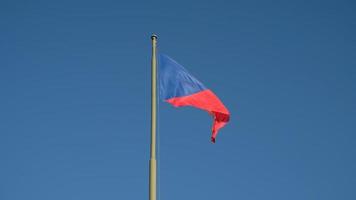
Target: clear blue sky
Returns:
[75, 97]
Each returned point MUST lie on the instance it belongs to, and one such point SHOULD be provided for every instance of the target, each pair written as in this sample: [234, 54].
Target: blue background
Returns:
[75, 97]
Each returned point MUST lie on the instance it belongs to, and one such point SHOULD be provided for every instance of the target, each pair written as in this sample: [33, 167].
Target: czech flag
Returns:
[179, 88]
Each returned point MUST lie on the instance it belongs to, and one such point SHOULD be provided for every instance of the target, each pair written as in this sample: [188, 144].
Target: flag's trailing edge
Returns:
[179, 88]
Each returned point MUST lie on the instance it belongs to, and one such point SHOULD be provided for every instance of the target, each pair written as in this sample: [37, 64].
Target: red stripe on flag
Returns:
[208, 101]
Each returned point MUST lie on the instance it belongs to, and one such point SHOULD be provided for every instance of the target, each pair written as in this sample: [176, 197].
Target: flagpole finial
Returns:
[154, 36]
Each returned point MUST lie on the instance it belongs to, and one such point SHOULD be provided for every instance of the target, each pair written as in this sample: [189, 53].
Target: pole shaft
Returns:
[153, 162]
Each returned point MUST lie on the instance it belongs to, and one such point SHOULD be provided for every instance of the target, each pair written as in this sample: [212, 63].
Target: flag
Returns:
[179, 88]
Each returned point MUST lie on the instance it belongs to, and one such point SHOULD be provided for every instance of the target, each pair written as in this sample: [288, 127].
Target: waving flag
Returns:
[179, 88]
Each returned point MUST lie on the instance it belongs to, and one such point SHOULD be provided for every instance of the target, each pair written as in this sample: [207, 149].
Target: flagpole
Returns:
[153, 162]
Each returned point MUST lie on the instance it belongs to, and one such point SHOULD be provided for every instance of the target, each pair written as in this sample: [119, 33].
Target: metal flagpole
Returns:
[153, 162]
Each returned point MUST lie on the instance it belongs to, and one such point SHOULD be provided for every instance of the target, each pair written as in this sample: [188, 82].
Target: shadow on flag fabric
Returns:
[179, 88]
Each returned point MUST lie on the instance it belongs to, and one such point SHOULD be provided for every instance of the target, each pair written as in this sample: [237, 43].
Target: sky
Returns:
[75, 99]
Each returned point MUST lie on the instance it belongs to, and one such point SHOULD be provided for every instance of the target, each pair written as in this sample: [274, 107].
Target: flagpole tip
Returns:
[154, 36]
